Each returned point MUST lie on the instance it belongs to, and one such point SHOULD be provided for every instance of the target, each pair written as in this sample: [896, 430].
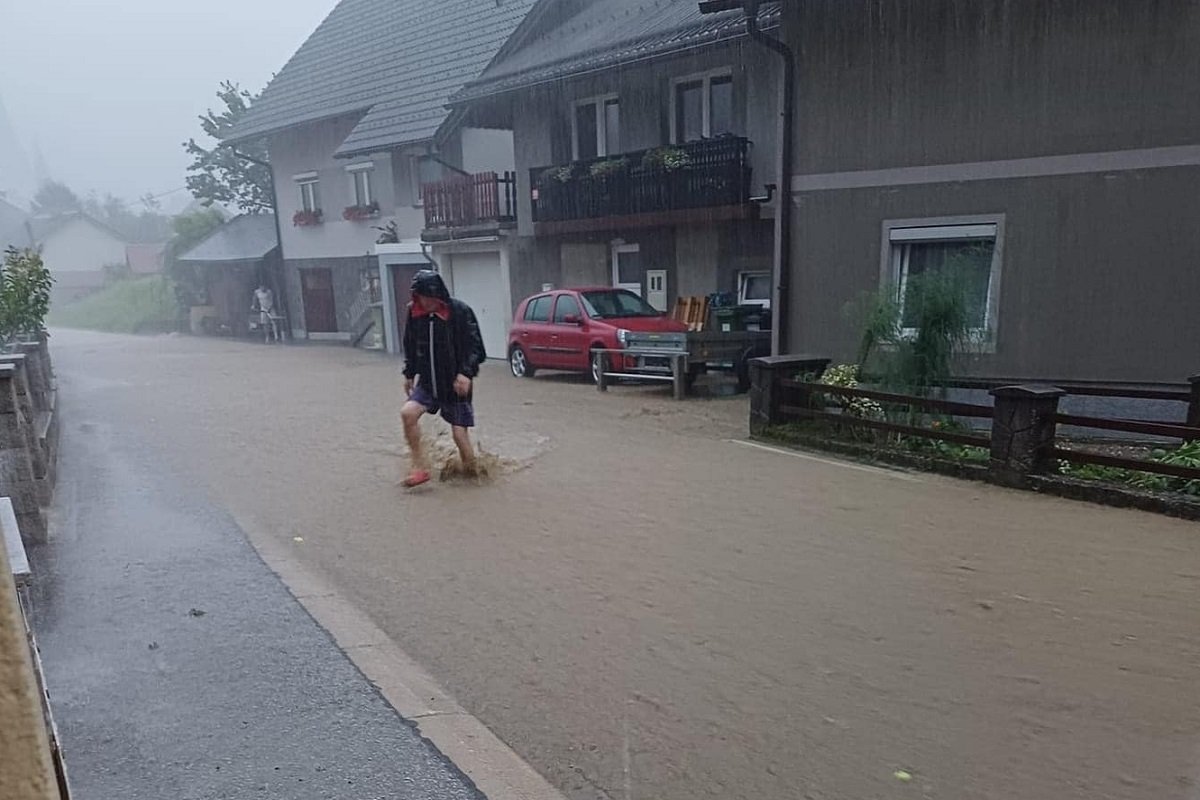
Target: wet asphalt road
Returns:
[179, 665]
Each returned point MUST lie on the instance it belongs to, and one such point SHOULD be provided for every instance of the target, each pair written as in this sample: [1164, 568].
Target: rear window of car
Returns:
[538, 309]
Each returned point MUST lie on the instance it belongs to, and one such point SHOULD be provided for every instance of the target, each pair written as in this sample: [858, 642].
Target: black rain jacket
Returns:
[436, 350]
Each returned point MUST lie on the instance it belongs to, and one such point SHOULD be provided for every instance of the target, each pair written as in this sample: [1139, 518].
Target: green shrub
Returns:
[129, 306]
[25, 286]
[1187, 455]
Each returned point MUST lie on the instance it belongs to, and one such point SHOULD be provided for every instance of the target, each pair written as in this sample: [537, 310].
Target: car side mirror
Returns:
[572, 319]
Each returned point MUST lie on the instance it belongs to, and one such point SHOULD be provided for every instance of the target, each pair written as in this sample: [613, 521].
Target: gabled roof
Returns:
[247, 237]
[12, 224]
[396, 61]
[608, 33]
[44, 227]
[12, 219]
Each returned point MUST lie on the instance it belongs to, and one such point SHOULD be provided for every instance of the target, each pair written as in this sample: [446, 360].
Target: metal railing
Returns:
[703, 174]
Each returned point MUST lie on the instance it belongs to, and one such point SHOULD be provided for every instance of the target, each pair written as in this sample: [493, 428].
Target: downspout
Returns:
[783, 212]
[783, 257]
[429, 258]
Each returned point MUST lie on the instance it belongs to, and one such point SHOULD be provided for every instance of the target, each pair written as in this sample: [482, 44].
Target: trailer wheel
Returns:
[742, 369]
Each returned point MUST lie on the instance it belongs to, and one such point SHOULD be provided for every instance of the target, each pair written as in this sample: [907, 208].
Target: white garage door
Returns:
[479, 284]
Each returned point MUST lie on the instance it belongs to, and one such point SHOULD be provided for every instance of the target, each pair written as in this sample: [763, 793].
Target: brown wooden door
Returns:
[402, 275]
[320, 313]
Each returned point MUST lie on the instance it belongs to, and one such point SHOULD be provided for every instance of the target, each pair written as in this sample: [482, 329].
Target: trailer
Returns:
[726, 351]
[655, 355]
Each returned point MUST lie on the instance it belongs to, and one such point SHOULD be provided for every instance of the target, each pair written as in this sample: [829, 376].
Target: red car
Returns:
[561, 329]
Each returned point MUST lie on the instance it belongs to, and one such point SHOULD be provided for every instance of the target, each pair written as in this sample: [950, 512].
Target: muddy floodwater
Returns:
[645, 607]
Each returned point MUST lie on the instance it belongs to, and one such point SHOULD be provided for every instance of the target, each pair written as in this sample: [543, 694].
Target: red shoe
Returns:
[416, 478]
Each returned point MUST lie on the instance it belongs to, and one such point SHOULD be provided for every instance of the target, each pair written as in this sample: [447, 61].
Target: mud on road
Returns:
[645, 609]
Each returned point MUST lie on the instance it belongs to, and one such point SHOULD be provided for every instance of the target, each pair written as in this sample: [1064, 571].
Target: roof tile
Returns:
[396, 60]
[608, 33]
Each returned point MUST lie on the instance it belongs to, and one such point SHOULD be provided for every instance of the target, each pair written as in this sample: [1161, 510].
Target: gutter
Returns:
[783, 214]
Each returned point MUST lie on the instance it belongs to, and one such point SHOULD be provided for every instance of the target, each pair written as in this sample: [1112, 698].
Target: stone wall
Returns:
[28, 448]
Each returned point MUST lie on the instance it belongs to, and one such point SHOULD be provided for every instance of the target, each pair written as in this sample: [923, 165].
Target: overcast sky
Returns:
[108, 89]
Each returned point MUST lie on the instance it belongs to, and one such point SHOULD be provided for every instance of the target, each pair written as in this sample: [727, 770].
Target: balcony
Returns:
[469, 205]
[707, 180]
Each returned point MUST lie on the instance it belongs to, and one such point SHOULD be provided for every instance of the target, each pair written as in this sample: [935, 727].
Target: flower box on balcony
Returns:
[306, 219]
[361, 213]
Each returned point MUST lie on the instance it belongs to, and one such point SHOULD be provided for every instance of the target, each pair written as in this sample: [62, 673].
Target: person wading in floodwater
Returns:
[443, 349]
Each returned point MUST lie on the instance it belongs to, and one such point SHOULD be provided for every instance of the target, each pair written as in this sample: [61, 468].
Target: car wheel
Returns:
[519, 364]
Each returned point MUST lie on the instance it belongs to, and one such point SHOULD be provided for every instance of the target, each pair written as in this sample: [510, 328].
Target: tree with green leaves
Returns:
[190, 230]
[25, 285]
[55, 198]
[218, 174]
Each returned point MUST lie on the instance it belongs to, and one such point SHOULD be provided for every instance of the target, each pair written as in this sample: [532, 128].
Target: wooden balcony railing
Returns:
[465, 201]
[703, 174]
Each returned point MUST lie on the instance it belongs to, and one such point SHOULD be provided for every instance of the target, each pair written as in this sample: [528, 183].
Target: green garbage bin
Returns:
[730, 318]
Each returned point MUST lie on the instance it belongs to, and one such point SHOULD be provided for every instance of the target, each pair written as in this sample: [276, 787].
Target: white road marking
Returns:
[888, 473]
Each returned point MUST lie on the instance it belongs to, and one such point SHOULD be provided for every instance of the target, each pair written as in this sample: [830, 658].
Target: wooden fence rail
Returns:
[1023, 440]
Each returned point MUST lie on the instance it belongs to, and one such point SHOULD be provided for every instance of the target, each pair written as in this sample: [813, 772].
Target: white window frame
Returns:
[366, 172]
[706, 78]
[897, 233]
[599, 102]
[309, 184]
[743, 280]
[618, 248]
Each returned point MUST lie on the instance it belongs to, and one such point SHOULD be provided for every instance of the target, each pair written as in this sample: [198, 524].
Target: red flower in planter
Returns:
[305, 218]
[360, 213]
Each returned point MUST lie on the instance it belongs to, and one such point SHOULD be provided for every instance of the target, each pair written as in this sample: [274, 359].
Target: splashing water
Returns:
[442, 453]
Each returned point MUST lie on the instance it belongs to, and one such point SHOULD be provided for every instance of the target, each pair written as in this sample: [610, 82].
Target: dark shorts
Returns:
[457, 411]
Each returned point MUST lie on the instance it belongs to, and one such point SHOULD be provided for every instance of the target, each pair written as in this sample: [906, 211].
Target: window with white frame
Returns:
[754, 289]
[967, 254]
[702, 106]
[361, 177]
[310, 191]
[595, 127]
[424, 169]
[627, 267]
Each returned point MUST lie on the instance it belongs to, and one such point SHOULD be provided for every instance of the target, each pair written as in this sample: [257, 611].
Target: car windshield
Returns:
[617, 303]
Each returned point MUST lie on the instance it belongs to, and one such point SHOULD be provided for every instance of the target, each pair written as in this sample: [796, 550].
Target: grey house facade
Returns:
[644, 138]
[355, 123]
[1057, 142]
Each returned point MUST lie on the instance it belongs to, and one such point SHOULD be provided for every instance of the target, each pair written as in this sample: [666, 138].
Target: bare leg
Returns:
[466, 453]
[411, 415]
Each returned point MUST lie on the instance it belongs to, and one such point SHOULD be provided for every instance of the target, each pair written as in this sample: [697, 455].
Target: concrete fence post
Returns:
[16, 464]
[766, 395]
[43, 341]
[39, 386]
[1023, 430]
